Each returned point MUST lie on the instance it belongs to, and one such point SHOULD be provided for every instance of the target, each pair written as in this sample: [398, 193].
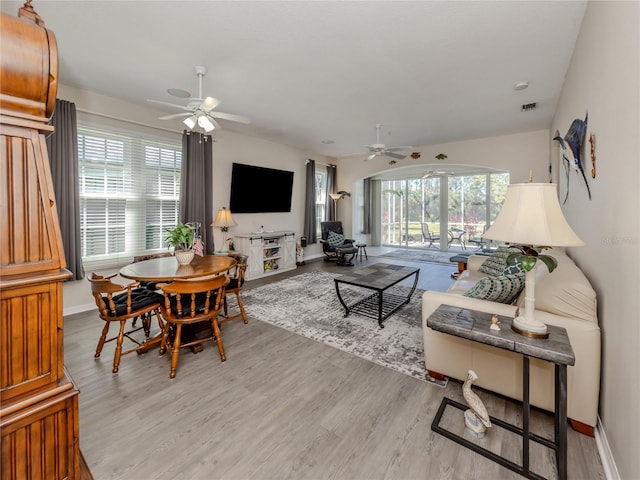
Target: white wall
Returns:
[519, 154]
[604, 78]
[229, 147]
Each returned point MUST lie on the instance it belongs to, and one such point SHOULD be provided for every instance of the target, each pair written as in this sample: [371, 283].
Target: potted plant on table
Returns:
[181, 239]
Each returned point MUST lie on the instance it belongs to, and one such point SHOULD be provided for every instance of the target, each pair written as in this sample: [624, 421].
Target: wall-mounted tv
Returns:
[260, 189]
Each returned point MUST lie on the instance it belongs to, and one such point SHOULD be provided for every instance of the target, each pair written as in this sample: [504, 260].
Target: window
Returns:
[129, 193]
[321, 198]
[409, 206]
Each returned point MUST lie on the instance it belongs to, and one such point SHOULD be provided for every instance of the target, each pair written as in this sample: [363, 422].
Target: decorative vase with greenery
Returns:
[181, 239]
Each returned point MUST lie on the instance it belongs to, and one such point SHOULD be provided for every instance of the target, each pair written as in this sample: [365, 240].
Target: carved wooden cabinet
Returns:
[38, 400]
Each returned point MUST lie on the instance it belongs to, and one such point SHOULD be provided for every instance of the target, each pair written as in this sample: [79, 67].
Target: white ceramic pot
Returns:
[184, 257]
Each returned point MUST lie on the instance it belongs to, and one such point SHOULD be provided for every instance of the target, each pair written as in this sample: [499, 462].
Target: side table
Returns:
[474, 325]
[362, 247]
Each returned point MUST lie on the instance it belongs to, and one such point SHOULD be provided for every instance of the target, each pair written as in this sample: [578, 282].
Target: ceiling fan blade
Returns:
[395, 149]
[166, 104]
[230, 116]
[209, 104]
[371, 157]
[394, 155]
[213, 120]
[175, 115]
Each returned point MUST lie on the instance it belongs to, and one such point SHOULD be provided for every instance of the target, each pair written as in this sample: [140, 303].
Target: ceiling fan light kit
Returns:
[200, 111]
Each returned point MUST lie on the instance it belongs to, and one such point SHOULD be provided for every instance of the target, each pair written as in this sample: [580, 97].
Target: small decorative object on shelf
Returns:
[476, 417]
[494, 323]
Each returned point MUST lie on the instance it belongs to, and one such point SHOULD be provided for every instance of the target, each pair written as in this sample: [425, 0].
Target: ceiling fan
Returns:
[378, 148]
[201, 111]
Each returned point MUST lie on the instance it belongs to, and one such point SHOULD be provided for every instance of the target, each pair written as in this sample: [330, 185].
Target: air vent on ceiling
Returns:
[527, 107]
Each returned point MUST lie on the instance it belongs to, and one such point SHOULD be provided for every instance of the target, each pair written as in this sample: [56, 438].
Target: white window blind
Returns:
[129, 194]
[321, 198]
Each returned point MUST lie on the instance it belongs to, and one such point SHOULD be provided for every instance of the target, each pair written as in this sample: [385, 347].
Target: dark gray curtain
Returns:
[309, 229]
[366, 206]
[331, 188]
[196, 189]
[63, 157]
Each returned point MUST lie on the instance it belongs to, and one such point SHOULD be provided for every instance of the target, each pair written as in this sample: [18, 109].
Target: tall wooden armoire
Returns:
[38, 400]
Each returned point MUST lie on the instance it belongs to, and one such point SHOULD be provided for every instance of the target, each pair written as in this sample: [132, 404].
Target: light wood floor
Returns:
[282, 406]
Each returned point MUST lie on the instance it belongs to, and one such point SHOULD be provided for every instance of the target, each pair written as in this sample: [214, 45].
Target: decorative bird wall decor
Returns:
[476, 417]
[571, 146]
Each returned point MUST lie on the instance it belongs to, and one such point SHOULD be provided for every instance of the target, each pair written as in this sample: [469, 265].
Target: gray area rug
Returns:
[414, 255]
[307, 304]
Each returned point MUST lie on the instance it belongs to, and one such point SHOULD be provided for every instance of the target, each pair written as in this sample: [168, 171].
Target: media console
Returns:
[269, 252]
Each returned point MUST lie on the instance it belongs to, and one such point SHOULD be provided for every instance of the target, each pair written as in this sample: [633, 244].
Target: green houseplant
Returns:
[181, 239]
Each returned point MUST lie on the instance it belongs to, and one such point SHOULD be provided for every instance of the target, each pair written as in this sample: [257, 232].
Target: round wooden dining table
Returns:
[165, 269]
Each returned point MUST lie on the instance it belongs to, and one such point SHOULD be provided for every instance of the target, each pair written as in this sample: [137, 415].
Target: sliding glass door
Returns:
[413, 210]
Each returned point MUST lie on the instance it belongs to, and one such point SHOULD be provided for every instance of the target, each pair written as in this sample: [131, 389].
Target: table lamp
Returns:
[223, 220]
[531, 219]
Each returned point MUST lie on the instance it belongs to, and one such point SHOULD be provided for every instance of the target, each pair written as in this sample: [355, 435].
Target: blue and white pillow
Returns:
[335, 239]
[501, 289]
[497, 262]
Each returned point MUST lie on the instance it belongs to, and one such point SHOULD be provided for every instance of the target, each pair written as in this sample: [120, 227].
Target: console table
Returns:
[473, 325]
[268, 252]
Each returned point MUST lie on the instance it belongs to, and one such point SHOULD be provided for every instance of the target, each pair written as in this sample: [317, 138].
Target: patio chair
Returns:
[427, 236]
[478, 239]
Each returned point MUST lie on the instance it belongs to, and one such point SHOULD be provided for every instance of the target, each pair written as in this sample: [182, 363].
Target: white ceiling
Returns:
[307, 71]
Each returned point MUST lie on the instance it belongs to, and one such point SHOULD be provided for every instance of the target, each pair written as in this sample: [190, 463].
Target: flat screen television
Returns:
[260, 189]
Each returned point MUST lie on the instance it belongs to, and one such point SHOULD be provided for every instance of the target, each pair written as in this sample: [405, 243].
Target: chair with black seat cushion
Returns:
[119, 303]
[186, 302]
[333, 241]
[236, 281]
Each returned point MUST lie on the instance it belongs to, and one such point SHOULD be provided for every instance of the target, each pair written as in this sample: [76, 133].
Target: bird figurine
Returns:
[571, 146]
[476, 417]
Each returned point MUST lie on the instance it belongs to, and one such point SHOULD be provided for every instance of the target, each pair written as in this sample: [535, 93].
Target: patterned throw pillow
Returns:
[496, 263]
[514, 269]
[502, 288]
[334, 239]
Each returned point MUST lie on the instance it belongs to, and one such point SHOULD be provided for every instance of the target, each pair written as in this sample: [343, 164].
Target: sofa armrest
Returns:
[474, 262]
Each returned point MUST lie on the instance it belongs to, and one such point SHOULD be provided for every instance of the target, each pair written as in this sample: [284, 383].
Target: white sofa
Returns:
[564, 298]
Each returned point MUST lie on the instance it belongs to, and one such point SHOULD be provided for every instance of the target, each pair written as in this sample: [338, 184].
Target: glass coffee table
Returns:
[377, 277]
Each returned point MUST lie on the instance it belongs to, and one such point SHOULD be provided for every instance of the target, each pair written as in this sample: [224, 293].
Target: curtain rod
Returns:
[320, 163]
[113, 117]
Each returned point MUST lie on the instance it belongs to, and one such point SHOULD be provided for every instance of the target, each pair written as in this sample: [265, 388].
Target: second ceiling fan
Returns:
[201, 111]
[378, 148]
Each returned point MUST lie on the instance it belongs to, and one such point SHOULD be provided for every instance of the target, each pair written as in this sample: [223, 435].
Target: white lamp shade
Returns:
[335, 196]
[224, 219]
[205, 123]
[190, 121]
[531, 215]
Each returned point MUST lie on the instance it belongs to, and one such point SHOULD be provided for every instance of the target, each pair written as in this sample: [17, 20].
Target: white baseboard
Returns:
[78, 309]
[606, 456]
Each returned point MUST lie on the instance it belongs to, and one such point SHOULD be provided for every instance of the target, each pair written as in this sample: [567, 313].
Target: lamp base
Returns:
[529, 328]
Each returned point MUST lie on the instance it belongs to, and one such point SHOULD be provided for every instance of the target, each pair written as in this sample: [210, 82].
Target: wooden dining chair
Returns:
[120, 303]
[187, 302]
[236, 281]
